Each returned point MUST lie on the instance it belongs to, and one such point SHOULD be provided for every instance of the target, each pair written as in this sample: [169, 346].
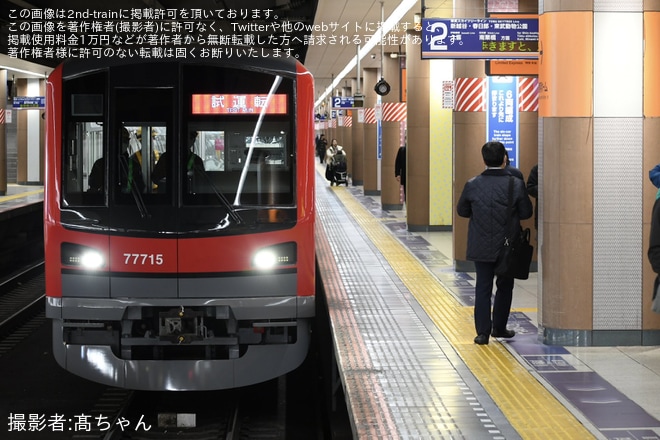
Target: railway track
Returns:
[259, 411]
[280, 409]
[21, 299]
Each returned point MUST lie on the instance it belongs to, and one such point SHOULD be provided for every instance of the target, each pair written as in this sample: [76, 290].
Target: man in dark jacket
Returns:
[484, 201]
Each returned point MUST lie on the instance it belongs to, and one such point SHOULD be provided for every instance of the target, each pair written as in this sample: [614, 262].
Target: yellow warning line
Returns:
[525, 309]
[530, 408]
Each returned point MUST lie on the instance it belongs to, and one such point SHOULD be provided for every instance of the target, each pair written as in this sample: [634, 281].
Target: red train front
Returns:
[179, 210]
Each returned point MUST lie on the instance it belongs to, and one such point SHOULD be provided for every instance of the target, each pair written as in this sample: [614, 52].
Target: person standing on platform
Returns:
[400, 169]
[653, 253]
[533, 190]
[331, 151]
[321, 145]
[515, 172]
[654, 176]
[484, 201]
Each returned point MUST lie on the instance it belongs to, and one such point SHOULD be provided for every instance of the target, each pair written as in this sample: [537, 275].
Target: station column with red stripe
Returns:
[418, 146]
[470, 87]
[393, 115]
[369, 161]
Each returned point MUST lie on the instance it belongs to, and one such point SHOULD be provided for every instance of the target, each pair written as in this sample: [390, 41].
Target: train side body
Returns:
[201, 279]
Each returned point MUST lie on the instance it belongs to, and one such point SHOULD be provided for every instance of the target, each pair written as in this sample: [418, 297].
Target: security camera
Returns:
[373, 56]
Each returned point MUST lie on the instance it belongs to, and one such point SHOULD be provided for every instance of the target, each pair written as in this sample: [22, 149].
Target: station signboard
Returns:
[480, 38]
[502, 121]
[342, 102]
[28, 102]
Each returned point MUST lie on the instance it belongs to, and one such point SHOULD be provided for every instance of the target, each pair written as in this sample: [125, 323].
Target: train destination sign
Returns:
[231, 104]
[480, 38]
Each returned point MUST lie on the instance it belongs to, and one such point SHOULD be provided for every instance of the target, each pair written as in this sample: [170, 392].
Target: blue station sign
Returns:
[28, 102]
[503, 115]
[480, 38]
[342, 102]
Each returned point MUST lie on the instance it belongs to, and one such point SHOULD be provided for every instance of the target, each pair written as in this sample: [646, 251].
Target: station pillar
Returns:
[370, 166]
[417, 147]
[393, 111]
[30, 135]
[598, 124]
[350, 139]
[343, 127]
[355, 154]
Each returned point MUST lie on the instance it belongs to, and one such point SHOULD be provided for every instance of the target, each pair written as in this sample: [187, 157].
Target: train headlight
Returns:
[91, 260]
[82, 256]
[265, 259]
[277, 255]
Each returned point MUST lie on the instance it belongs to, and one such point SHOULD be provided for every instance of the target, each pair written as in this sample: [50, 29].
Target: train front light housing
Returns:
[278, 255]
[82, 256]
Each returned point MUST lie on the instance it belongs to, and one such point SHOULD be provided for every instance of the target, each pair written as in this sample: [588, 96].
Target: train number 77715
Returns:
[143, 259]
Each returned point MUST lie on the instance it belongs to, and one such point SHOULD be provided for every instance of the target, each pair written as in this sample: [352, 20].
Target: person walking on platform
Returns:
[484, 201]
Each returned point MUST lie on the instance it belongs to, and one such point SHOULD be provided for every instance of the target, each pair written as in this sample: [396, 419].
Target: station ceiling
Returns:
[337, 25]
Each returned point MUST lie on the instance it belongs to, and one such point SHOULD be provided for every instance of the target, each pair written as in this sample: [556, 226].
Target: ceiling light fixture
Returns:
[27, 72]
[387, 26]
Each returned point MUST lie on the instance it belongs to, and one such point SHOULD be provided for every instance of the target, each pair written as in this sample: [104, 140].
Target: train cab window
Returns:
[210, 146]
[142, 169]
[140, 157]
[245, 124]
[243, 168]
[85, 168]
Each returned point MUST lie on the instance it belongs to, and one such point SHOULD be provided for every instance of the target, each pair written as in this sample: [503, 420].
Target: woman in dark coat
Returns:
[400, 169]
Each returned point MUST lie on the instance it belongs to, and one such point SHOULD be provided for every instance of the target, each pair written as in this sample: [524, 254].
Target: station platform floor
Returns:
[20, 195]
[403, 334]
[403, 331]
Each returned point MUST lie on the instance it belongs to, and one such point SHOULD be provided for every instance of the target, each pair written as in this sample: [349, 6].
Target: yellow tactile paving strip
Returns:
[530, 408]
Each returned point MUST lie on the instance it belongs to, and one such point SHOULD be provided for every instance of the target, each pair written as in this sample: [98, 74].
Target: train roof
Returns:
[285, 65]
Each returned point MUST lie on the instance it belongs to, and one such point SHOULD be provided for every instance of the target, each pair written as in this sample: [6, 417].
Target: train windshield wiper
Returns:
[248, 159]
[230, 209]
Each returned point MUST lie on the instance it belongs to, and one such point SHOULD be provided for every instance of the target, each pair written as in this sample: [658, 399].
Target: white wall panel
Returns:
[33, 134]
[618, 5]
[618, 64]
[617, 266]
